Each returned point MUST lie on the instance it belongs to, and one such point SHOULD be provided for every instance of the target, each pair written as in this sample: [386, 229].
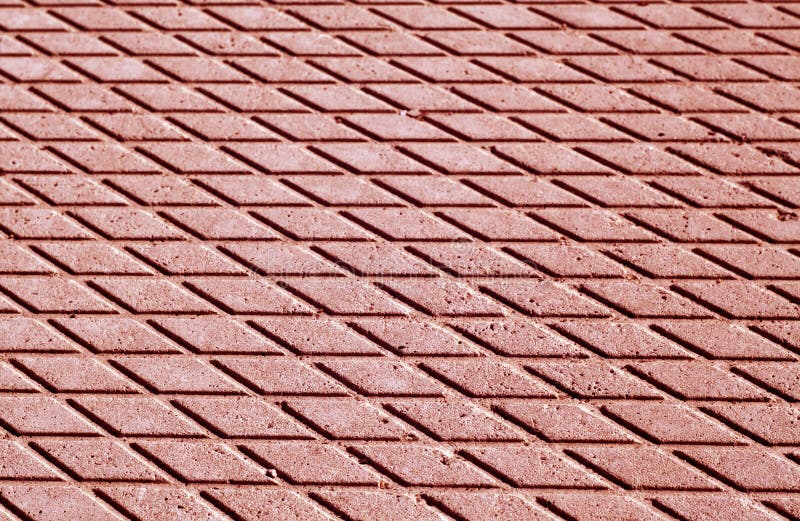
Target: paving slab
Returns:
[338, 260]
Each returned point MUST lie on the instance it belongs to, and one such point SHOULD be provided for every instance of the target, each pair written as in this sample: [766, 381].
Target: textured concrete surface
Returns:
[465, 260]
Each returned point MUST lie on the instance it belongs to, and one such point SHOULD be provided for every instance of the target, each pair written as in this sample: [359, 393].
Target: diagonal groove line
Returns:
[763, 385]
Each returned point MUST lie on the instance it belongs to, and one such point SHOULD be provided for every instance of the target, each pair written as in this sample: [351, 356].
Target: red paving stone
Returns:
[309, 260]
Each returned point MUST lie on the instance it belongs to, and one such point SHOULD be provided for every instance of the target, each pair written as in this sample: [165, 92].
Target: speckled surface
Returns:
[392, 260]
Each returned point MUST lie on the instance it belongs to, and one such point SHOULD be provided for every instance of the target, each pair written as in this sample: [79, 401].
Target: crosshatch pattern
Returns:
[399, 260]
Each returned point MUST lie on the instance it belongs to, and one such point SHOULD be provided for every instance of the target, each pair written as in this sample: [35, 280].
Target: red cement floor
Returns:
[399, 261]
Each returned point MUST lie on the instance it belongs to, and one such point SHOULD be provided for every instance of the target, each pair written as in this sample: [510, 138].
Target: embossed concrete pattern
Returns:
[399, 260]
